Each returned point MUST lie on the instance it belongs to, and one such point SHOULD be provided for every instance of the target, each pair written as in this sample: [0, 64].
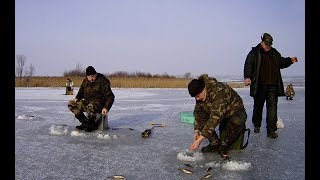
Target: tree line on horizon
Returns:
[78, 71]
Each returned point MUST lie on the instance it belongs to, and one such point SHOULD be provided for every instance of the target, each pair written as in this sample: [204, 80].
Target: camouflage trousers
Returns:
[233, 126]
[78, 109]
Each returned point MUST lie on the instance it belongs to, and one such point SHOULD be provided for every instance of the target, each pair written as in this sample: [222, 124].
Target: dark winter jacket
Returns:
[221, 102]
[253, 63]
[97, 91]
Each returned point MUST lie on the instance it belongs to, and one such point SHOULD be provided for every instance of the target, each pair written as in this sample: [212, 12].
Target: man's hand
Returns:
[247, 81]
[104, 112]
[196, 143]
[294, 59]
[196, 134]
[74, 100]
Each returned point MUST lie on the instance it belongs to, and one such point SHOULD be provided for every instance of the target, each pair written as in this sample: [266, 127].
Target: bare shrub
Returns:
[77, 71]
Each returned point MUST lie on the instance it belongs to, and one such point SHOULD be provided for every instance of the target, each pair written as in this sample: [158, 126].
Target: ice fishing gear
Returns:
[147, 132]
[157, 125]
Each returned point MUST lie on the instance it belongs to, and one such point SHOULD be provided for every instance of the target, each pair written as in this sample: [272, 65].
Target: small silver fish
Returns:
[117, 177]
[209, 168]
[207, 176]
[187, 171]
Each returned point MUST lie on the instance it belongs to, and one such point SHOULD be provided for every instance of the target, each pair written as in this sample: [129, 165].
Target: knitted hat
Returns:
[267, 39]
[90, 71]
[195, 87]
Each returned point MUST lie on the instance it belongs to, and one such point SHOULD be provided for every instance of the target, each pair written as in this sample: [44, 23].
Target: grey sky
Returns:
[156, 36]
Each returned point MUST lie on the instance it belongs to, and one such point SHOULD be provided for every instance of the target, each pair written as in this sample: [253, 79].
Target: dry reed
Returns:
[116, 82]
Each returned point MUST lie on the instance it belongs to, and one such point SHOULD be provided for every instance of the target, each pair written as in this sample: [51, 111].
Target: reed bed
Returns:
[116, 82]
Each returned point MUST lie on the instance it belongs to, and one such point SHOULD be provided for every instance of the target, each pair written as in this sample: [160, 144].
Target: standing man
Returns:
[262, 73]
[94, 96]
[216, 103]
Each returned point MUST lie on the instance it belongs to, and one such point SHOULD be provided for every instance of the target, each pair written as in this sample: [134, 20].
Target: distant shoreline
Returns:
[138, 82]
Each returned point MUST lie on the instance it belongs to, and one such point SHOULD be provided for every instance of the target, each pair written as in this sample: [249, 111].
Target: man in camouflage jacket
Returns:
[94, 96]
[216, 104]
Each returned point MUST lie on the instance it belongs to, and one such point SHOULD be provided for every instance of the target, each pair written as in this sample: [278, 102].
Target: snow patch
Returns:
[187, 155]
[212, 164]
[280, 123]
[58, 129]
[236, 165]
[77, 133]
[25, 117]
[106, 136]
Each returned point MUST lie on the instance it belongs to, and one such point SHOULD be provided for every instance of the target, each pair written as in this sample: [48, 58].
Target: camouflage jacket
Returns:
[221, 102]
[97, 91]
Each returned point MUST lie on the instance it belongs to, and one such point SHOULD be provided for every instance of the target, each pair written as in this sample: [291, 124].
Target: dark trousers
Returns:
[269, 94]
[233, 126]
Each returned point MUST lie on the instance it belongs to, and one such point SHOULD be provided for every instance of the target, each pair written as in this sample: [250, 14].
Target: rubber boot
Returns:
[83, 119]
[214, 144]
[223, 148]
[90, 125]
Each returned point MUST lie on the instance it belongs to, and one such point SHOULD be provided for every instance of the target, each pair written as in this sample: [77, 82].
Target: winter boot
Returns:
[90, 125]
[83, 119]
[82, 126]
[223, 148]
[256, 130]
[272, 134]
[214, 143]
[210, 148]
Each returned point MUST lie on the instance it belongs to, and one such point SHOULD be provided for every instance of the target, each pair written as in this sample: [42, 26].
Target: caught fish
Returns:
[117, 177]
[207, 176]
[209, 168]
[188, 165]
[187, 171]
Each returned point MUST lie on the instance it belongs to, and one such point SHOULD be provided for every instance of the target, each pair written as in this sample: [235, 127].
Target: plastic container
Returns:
[187, 117]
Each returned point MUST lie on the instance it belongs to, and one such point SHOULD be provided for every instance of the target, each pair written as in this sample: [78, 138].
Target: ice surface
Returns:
[48, 147]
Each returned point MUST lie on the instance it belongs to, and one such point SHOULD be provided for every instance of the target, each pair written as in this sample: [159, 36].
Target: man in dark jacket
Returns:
[216, 104]
[94, 96]
[262, 73]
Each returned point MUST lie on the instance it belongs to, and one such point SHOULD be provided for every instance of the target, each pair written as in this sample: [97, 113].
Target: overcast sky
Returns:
[155, 36]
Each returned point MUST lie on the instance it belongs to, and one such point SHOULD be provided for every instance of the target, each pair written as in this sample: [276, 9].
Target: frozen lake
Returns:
[43, 151]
